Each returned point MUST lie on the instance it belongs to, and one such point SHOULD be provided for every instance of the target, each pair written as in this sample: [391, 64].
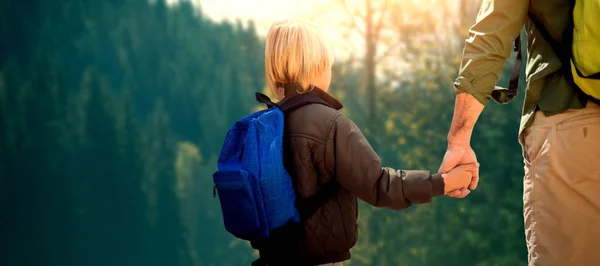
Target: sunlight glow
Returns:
[410, 28]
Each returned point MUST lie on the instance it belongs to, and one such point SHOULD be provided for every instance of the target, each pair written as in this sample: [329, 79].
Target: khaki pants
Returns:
[561, 188]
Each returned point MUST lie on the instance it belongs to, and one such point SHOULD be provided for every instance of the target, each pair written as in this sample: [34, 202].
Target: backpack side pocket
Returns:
[238, 204]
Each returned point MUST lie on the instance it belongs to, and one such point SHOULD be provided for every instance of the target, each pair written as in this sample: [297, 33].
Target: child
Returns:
[330, 161]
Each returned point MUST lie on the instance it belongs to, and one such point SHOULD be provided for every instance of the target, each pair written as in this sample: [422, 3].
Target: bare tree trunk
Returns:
[371, 52]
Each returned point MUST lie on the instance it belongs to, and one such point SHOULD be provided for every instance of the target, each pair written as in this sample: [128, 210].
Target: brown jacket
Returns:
[328, 154]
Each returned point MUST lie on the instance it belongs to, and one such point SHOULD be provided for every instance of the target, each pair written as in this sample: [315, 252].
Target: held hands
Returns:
[462, 159]
[459, 177]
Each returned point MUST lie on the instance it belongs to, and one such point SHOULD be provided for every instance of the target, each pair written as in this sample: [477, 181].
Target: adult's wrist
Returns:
[461, 139]
[466, 113]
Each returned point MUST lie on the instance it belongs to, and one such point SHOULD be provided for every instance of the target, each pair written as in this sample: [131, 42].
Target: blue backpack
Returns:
[255, 190]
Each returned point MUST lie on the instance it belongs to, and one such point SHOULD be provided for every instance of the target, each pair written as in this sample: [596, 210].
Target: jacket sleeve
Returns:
[498, 24]
[358, 169]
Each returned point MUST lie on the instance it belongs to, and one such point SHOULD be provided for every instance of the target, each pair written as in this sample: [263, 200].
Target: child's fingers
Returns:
[474, 180]
[463, 193]
[475, 176]
[454, 193]
[459, 193]
[474, 169]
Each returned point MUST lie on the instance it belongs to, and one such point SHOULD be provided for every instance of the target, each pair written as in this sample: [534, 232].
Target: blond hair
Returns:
[294, 53]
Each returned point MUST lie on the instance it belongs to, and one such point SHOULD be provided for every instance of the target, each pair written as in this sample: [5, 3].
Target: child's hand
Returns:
[459, 177]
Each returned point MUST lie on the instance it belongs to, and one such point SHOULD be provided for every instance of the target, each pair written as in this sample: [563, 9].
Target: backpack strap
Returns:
[293, 103]
[562, 51]
[261, 98]
[308, 206]
[506, 95]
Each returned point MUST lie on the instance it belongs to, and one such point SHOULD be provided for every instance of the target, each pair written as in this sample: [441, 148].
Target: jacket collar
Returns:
[291, 90]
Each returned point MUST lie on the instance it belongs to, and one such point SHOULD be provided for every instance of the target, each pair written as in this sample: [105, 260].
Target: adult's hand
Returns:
[466, 111]
[457, 155]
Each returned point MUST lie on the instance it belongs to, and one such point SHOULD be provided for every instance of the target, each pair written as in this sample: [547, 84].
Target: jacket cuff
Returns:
[463, 85]
[418, 188]
[437, 185]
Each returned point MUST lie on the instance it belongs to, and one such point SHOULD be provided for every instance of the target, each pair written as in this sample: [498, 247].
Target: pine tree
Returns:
[131, 224]
[96, 175]
[166, 244]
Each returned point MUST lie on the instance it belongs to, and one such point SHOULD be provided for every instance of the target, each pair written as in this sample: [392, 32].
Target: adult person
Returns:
[559, 131]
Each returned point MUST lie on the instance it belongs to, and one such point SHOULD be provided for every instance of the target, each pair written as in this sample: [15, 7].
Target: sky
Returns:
[255, 9]
[263, 12]
[267, 11]
[327, 15]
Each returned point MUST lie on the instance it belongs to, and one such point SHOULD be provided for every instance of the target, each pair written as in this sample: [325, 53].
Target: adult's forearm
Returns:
[490, 40]
[466, 112]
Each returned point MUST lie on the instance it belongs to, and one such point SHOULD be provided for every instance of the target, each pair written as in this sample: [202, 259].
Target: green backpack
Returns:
[585, 59]
[581, 59]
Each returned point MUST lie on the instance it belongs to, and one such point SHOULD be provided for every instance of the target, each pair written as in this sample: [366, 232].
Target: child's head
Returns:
[296, 53]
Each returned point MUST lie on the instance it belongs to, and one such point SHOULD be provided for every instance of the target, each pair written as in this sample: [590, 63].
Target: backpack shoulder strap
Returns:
[293, 103]
[261, 98]
[308, 206]
[513, 84]
[505, 95]
[562, 51]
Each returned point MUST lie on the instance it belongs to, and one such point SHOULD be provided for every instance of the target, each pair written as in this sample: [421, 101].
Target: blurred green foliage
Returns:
[112, 115]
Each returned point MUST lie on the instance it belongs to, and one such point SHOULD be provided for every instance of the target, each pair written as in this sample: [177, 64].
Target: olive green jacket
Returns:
[490, 42]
